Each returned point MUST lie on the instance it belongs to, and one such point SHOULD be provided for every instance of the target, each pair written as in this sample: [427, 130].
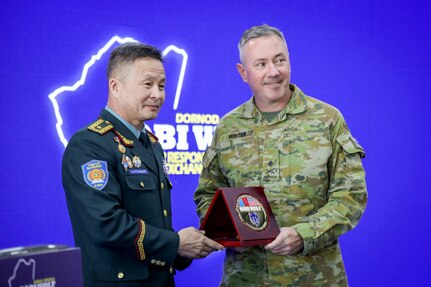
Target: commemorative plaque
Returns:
[240, 217]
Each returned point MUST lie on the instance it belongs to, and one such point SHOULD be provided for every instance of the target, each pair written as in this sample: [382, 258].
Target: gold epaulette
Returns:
[153, 138]
[100, 126]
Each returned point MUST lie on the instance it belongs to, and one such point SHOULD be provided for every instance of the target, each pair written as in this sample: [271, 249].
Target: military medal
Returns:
[129, 162]
[136, 161]
[124, 162]
[121, 148]
[165, 168]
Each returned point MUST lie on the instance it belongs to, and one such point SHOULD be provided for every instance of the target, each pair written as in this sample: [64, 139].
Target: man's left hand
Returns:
[288, 242]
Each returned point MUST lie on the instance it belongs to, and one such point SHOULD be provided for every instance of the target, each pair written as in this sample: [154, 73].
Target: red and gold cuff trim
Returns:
[139, 242]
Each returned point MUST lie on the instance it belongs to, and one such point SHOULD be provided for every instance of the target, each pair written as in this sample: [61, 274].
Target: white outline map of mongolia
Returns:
[71, 88]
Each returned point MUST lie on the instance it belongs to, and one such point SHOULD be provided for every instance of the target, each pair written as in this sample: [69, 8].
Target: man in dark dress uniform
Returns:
[117, 192]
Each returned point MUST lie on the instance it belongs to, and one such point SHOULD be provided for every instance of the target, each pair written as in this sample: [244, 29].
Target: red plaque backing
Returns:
[240, 217]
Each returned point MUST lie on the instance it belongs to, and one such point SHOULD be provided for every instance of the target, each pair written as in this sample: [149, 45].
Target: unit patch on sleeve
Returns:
[95, 174]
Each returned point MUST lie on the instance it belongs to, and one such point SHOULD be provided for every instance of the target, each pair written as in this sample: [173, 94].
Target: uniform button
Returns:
[158, 262]
[163, 264]
[120, 275]
[171, 270]
[153, 261]
[165, 213]
[142, 184]
[162, 186]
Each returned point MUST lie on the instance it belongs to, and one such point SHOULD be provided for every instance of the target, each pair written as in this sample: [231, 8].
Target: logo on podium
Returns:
[240, 217]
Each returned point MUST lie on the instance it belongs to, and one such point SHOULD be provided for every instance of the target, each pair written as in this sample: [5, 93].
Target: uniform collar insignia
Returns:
[152, 137]
[126, 142]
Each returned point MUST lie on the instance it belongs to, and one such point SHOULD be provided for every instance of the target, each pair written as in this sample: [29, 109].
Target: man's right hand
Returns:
[194, 244]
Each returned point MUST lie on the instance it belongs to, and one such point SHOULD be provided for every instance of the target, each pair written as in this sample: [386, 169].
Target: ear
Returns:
[241, 71]
[113, 86]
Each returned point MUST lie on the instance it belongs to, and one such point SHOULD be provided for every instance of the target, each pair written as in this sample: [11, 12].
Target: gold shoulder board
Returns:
[100, 126]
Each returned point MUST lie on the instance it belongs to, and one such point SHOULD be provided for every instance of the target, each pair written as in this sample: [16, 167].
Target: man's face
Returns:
[266, 68]
[139, 90]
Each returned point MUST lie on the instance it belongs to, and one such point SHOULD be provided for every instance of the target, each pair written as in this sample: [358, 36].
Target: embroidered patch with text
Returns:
[95, 174]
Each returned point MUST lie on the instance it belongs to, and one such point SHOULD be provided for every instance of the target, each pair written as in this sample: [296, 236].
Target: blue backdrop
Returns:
[371, 59]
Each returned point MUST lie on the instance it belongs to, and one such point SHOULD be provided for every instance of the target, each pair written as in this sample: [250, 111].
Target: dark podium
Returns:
[240, 217]
[41, 265]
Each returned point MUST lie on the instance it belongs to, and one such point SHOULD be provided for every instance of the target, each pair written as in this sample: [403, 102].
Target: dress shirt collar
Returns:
[134, 130]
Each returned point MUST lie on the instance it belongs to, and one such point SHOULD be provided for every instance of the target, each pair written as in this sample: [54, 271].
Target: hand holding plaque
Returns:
[240, 217]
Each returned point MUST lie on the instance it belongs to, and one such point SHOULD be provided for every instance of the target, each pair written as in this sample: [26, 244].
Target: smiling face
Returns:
[137, 90]
[266, 68]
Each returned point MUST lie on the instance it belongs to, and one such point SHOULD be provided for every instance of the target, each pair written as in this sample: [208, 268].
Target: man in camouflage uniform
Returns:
[301, 151]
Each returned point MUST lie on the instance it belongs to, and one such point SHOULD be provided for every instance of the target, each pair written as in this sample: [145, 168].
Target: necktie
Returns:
[149, 157]
[143, 137]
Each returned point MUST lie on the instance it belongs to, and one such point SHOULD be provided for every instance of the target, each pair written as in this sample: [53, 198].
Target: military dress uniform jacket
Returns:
[118, 197]
[311, 169]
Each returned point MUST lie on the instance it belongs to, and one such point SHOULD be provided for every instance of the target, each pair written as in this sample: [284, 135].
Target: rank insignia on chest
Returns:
[95, 174]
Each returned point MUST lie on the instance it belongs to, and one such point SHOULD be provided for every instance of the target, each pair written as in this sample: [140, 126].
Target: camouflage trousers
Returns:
[256, 267]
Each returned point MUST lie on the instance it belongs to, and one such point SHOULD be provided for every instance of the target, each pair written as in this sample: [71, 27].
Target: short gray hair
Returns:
[256, 32]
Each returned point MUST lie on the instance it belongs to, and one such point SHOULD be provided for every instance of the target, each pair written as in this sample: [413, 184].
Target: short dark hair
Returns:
[129, 52]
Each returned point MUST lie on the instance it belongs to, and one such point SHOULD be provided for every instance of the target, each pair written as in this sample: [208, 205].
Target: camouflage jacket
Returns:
[311, 169]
